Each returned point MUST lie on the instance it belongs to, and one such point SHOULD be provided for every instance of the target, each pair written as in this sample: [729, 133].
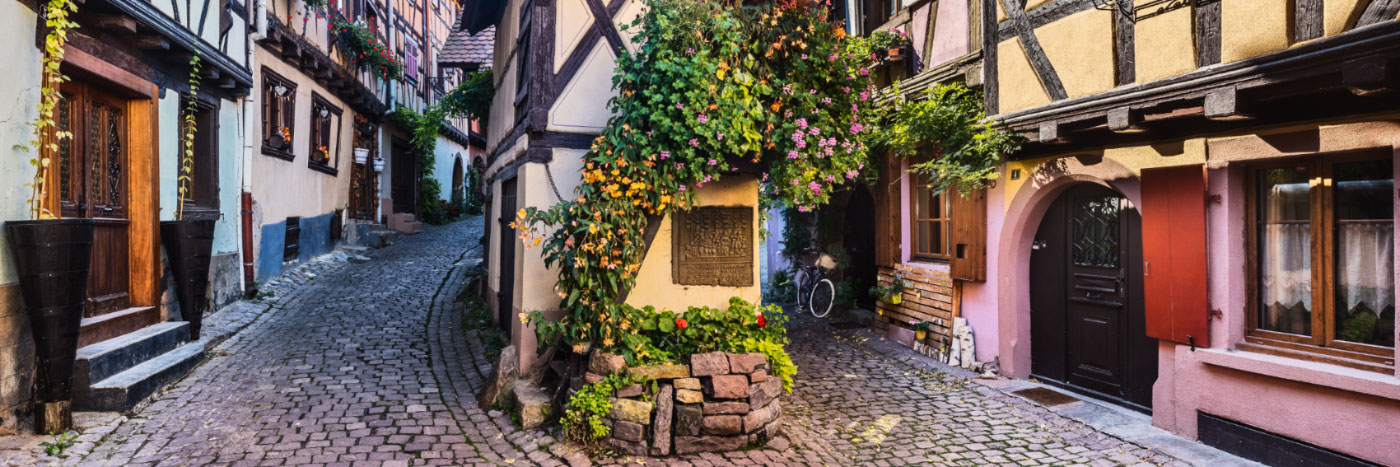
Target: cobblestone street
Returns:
[369, 364]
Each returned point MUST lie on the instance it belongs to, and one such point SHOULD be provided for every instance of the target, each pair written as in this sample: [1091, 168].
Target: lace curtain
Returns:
[1365, 266]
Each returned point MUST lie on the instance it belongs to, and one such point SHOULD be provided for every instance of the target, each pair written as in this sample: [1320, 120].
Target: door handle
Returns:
[1146, 268]
[1038, 244]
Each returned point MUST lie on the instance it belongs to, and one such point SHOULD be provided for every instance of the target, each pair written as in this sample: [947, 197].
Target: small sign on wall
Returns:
[713, 246]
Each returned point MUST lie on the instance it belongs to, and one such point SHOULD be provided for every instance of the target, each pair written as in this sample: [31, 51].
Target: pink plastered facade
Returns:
[1335, 407]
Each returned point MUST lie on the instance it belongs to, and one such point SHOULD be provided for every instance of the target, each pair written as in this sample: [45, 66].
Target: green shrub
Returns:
[780, 288]
[583, 415]
[778, 358]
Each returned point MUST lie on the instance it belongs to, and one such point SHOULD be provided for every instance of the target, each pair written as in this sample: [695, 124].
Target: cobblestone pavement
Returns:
[369, 364]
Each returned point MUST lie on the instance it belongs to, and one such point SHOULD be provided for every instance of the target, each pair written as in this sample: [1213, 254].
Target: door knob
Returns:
[1038, 244]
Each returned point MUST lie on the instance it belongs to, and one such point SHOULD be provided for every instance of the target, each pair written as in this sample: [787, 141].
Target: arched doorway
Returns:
[458, 192]
[858, 239]
[1088, 331]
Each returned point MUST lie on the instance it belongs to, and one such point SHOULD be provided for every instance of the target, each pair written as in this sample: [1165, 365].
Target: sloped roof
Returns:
[466, 50]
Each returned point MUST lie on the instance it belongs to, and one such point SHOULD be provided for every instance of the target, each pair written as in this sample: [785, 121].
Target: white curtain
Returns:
[1365, 266]
[1285, 251]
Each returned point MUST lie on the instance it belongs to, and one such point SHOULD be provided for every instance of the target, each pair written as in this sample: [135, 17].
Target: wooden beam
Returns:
[113, 23]
[210, 73]
[228, 83]
[1122, 120]
[1366, 76]
[152, 42]
[1223, 104]
[1050, 133]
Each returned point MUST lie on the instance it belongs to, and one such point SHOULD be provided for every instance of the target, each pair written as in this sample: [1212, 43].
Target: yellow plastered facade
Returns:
[1033, 4]
[1116, 162]
[570, 23]
[1250, 28]
[654, 285]
[1337, 15]
[1001, 11]
[1080, 48]
[1165, 45]
[1019, 87]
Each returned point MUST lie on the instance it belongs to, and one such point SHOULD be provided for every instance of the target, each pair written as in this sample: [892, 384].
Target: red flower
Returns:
[762, 321]
[680, 323]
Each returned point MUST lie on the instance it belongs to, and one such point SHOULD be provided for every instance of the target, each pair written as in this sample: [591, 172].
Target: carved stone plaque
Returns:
[712, 246]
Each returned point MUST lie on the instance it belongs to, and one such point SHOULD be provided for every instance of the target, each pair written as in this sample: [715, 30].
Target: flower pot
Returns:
[920, 335]
[895, 299]
[361, 155]
[52, 258]
[187, 246]
[379, 164]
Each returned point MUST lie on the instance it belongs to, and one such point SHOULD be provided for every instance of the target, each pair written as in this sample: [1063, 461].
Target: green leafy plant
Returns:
[947, 125]
[424, 128]
[778, 358]
[920, 325]
[46, 133]
[586, 409]
[60, 443]
[876, 45]
[477, 92]
[780, 288]
[366, 51]
[884, 290]
[186, 178]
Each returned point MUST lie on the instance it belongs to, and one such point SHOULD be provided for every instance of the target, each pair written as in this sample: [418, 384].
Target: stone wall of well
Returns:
[718, 402]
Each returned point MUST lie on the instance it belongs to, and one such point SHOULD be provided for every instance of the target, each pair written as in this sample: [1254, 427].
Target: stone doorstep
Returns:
[99, 361]
[124, 390]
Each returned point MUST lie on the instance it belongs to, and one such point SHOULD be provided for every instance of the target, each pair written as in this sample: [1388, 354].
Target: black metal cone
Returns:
[188, 244]
[52, 258]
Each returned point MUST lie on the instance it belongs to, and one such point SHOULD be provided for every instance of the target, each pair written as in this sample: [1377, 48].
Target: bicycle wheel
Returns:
[823, 295]
[802, 282]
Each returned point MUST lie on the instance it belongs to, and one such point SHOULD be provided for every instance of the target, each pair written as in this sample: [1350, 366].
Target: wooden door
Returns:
[505, 293]
[92, 167]
[1087, 324]
[404, 178]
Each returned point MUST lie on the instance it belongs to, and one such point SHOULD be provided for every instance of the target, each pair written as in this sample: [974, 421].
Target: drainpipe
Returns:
[250, 120]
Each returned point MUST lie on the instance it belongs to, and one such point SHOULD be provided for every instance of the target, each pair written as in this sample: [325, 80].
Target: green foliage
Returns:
[847, 292]
[364, 49]
[780, 288]
[60, 443]
[473, 97]
[769, 85]
[921, 325]
[46, 134]
[584, 414]
[950, 127]
[883, 290]
[778, 358]
[424, 128]
[186, 178]
[472, 201]
[876, 44]
[797, 232]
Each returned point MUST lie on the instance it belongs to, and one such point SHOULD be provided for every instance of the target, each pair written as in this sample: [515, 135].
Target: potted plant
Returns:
[361, 155]
[921, 328]
[891, 292]
[52, 255]
[188, 242]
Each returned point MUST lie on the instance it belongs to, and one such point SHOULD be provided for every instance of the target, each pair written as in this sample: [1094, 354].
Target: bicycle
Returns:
[815, 292]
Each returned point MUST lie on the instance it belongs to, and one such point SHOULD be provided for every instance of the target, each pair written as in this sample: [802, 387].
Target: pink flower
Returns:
[801, 143]
[702, 118]
[802, 209]
[680, 106]
[690, 51]
[814, 91]
[826, 100]
[665, 154]
[712, 163]
[765, 176]
[864, 96]
[832, 57]
[804, 56]
[851, 174]
[707, 179]
[802, 123]
[814, 185]
[830, 151]
[830, 178]
[719, 135]
[792, 154]
[694, 142]
[682, 187]
[856, 127]
[813, 131]
[864, 72]
[793, 182]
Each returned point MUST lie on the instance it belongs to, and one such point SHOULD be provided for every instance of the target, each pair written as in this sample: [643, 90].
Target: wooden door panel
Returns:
[505, 298]
[108, 280]
[97, 189]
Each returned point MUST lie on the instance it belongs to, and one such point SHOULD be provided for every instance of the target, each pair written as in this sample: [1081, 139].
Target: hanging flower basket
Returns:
[361, 155]
[366, 51]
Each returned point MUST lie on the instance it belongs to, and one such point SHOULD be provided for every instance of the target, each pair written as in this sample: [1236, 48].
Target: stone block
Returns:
[656, 372]
[628, 447]
[688, 418]
[686, 396]
[627, 431]
[761, 393]
[760, 417]
[629, 410]
[722, 425]
[688, 383]
[604, 363]
[758, 376]
[771, 433]
[533, 403]
[592, 377]
[661, 425]
[694, 444]
[745, 363]
[728, 387]
[726, 408]
[709, 364]
[634, 390]
[502, 377]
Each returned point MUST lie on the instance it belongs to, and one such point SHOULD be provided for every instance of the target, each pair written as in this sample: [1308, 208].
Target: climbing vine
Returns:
[711, 86]
[947, 123]
[186, 178]
[46, 133]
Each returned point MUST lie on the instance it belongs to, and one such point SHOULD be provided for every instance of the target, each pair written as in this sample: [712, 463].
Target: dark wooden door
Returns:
[404, 178]
[505, 293]
[1087, 325]
[859, 240]
[93, 184]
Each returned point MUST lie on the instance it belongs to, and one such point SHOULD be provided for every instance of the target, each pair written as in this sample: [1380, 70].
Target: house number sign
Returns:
[712, 246]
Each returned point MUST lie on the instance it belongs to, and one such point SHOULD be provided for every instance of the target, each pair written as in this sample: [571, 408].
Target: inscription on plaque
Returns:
[712, 246]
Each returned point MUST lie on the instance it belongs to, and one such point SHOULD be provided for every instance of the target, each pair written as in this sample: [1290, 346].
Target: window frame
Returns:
[327, 136]
[286, 112]
[206, 155]
[918, 187]
[1321, 344]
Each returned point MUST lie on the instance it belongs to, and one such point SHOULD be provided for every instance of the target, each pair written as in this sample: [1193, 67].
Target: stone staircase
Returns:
[405, 223]
[116, 374]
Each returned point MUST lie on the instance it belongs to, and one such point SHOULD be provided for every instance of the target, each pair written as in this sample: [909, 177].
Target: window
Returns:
[205, 178]
[522, 63]
[279, 115]
[929, 216]
[325, 132]
[1322, 233]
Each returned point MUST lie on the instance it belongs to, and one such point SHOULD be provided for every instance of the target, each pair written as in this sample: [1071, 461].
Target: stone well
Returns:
[719, 402]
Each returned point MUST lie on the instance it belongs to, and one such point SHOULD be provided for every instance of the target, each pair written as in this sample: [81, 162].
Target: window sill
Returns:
[1317, 373]
[284, 155]
[325, 169]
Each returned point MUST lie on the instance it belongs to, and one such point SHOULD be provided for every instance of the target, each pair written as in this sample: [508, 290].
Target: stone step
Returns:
[124, 390]
[108, 325]
[100, 361]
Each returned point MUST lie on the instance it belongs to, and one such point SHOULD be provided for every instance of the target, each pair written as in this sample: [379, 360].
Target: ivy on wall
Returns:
[46, 133]
[425, 127]
[712, 83]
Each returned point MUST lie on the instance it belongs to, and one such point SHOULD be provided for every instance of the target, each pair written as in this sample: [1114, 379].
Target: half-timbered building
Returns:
[1201, 223]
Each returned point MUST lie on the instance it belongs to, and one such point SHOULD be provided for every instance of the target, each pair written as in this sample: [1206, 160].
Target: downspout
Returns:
[250, 121]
